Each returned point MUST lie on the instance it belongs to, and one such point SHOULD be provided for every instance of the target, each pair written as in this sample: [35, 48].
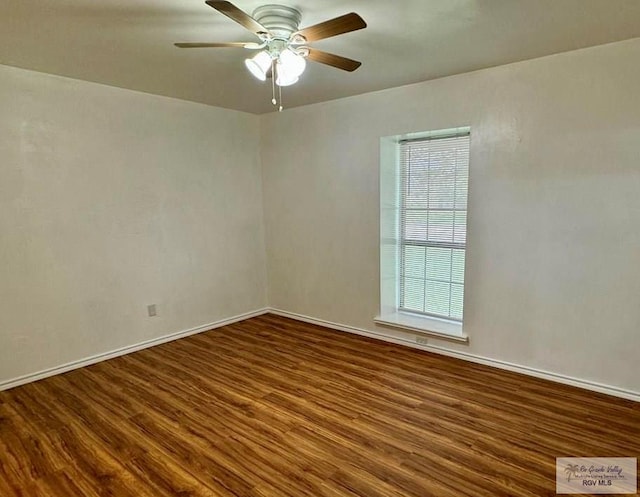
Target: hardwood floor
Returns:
[272, 407]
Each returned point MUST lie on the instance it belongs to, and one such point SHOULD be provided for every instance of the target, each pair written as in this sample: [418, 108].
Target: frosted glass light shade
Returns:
[289, 68]
[293, 64]
[259, 65]
[283, 78]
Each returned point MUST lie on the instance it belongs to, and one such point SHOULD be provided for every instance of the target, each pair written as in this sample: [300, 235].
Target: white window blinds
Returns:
[433, 225]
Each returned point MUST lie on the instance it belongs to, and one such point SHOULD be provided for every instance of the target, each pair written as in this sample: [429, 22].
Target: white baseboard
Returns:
[567, 380]
[546, 375]
[15, 382]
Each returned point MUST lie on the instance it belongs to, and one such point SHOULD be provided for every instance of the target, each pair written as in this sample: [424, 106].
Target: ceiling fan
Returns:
[283, 47]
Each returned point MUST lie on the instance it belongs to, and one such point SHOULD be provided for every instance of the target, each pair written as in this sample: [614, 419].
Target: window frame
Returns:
[390, 313]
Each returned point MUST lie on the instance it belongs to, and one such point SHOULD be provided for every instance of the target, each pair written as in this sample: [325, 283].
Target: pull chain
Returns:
[274, 75]
[273, 82]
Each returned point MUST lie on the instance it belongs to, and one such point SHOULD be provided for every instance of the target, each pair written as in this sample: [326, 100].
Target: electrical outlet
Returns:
[151, 310]
[421, 340]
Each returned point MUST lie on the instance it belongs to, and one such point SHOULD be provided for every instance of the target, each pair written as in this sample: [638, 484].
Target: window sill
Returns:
[425, 325]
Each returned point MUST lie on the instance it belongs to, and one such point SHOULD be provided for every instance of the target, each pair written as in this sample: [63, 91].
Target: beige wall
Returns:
[111, 200]
[553, 265]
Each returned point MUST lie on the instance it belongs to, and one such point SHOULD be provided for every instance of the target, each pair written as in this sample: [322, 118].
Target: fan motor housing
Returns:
[280, 20]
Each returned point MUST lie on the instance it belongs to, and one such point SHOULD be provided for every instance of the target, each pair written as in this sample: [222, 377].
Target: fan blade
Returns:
[241, 17]
[333, 60]
[217, 45]
[333, 27]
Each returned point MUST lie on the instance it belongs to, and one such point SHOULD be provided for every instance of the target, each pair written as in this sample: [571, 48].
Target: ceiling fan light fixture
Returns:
[259, 65]
[282, 47]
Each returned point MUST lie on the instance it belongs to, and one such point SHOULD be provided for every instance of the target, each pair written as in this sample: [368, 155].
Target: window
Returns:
[434, 176]
[423, 231]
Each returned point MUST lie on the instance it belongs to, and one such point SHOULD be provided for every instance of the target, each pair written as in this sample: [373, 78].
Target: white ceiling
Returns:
[129, 43]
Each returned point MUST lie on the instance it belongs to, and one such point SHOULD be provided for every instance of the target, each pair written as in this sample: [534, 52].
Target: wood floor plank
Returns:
[273, 407]
[66, 482]
[204, 459]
